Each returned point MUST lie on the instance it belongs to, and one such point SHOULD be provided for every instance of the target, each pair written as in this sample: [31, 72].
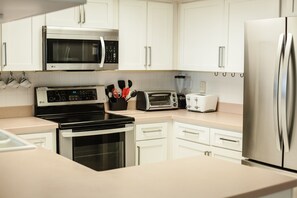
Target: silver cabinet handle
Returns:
[138, 155]
[103, 52]
[5, 54]
[276, 105]
[84, 14]
[284, 91]
[152, 131]
[150, 59]
[190, 132]
[221, 56]
[98, 132]
[145, 49]
[79, 15]
[229, 140]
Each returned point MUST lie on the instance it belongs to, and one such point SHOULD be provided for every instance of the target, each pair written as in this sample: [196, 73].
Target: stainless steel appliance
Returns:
[156, 100]
[87, 134]
[270, 121]
[80, 49]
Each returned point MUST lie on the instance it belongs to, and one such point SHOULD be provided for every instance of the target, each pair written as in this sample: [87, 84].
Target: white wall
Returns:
[229, 89]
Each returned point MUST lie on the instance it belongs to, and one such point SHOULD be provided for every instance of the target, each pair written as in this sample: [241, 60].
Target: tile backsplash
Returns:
[25, 96]
[229, 89]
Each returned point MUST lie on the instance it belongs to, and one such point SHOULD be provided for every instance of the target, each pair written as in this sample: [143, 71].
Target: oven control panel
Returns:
[46, 96]
[71, 95]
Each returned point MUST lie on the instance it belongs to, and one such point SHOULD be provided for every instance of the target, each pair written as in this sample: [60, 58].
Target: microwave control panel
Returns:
[111, 52]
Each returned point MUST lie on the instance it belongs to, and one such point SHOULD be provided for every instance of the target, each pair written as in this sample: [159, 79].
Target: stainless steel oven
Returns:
[99, 148]
[80, 49]
[86, 134]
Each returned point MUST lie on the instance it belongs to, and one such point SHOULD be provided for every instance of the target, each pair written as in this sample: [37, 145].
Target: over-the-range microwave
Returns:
[79, 49]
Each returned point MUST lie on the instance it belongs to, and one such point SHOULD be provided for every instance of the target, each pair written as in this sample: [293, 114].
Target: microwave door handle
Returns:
[103, 52]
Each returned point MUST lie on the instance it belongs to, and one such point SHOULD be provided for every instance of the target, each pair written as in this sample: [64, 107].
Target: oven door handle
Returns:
[97, 132]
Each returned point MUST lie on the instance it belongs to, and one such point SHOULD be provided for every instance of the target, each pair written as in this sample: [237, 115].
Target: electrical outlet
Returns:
[202, 89]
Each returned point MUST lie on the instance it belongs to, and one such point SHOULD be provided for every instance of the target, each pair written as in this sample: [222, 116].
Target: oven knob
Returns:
[174, 104]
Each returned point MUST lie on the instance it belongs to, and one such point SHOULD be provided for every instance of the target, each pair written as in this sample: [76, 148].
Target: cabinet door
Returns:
[225, 154]
[22, 44]
[98, 14]
[151, 151]
[132, 35]
[70, 17]
[160, 36]
[45, 140]
[288, 8]
[201, 35]
[237, 12]
[183, 148]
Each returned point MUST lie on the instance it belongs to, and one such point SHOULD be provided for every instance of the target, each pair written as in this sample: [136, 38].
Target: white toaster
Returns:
[201, 103]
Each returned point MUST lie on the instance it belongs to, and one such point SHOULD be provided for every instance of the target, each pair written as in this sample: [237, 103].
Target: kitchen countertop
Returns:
[41, 173]
[221, 120]
[25, 125]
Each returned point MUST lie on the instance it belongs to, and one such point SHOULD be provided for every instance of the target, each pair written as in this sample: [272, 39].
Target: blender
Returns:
[180, 82]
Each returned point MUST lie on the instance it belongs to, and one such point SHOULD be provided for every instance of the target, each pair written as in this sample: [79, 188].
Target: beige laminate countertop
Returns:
[41, 173]
[25, 125]
[221, 120]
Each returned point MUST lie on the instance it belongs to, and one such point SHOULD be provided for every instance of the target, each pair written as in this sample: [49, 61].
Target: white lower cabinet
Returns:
[151, 151]
[151, 143]
[184, 148]
[225, 154]
[222, 144]
[44, 140]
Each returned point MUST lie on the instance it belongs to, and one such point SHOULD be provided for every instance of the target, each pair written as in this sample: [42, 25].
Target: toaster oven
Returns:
[156, 100]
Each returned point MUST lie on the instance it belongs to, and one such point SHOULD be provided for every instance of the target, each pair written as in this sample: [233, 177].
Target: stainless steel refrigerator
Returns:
[270, 106]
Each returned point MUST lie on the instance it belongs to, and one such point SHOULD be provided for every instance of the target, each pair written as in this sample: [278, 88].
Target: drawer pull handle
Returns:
[152, 131]
[228, 140]
[190, 132]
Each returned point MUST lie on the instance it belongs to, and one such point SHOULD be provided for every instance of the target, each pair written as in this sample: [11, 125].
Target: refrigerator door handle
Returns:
[276, 110]
[284, 91]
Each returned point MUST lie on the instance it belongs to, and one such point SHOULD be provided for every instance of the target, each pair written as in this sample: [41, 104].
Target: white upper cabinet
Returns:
[94, 14]
[146, 35]
[288, 8]
[212, 32]
[22, 44]
[237, 12]
[201, 35]
[132, 35]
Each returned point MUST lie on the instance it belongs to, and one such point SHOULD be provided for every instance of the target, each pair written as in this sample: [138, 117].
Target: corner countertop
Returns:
[41, 173]
[221, 120]
[25, 125]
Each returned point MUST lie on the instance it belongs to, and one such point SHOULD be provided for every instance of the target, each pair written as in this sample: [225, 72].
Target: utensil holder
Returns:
[117, 104]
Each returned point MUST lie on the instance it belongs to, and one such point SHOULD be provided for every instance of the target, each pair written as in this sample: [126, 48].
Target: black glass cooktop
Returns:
[88, 119]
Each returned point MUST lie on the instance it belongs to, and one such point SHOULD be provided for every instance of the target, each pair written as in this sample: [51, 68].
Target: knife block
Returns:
[117, 104]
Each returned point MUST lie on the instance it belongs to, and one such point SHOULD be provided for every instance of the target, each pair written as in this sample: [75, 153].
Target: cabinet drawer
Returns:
[151, 131]
[192, 133]
[228, 155]
[226, 139]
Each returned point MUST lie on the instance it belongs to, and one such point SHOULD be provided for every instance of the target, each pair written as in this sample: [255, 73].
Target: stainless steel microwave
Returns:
[79, 49]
